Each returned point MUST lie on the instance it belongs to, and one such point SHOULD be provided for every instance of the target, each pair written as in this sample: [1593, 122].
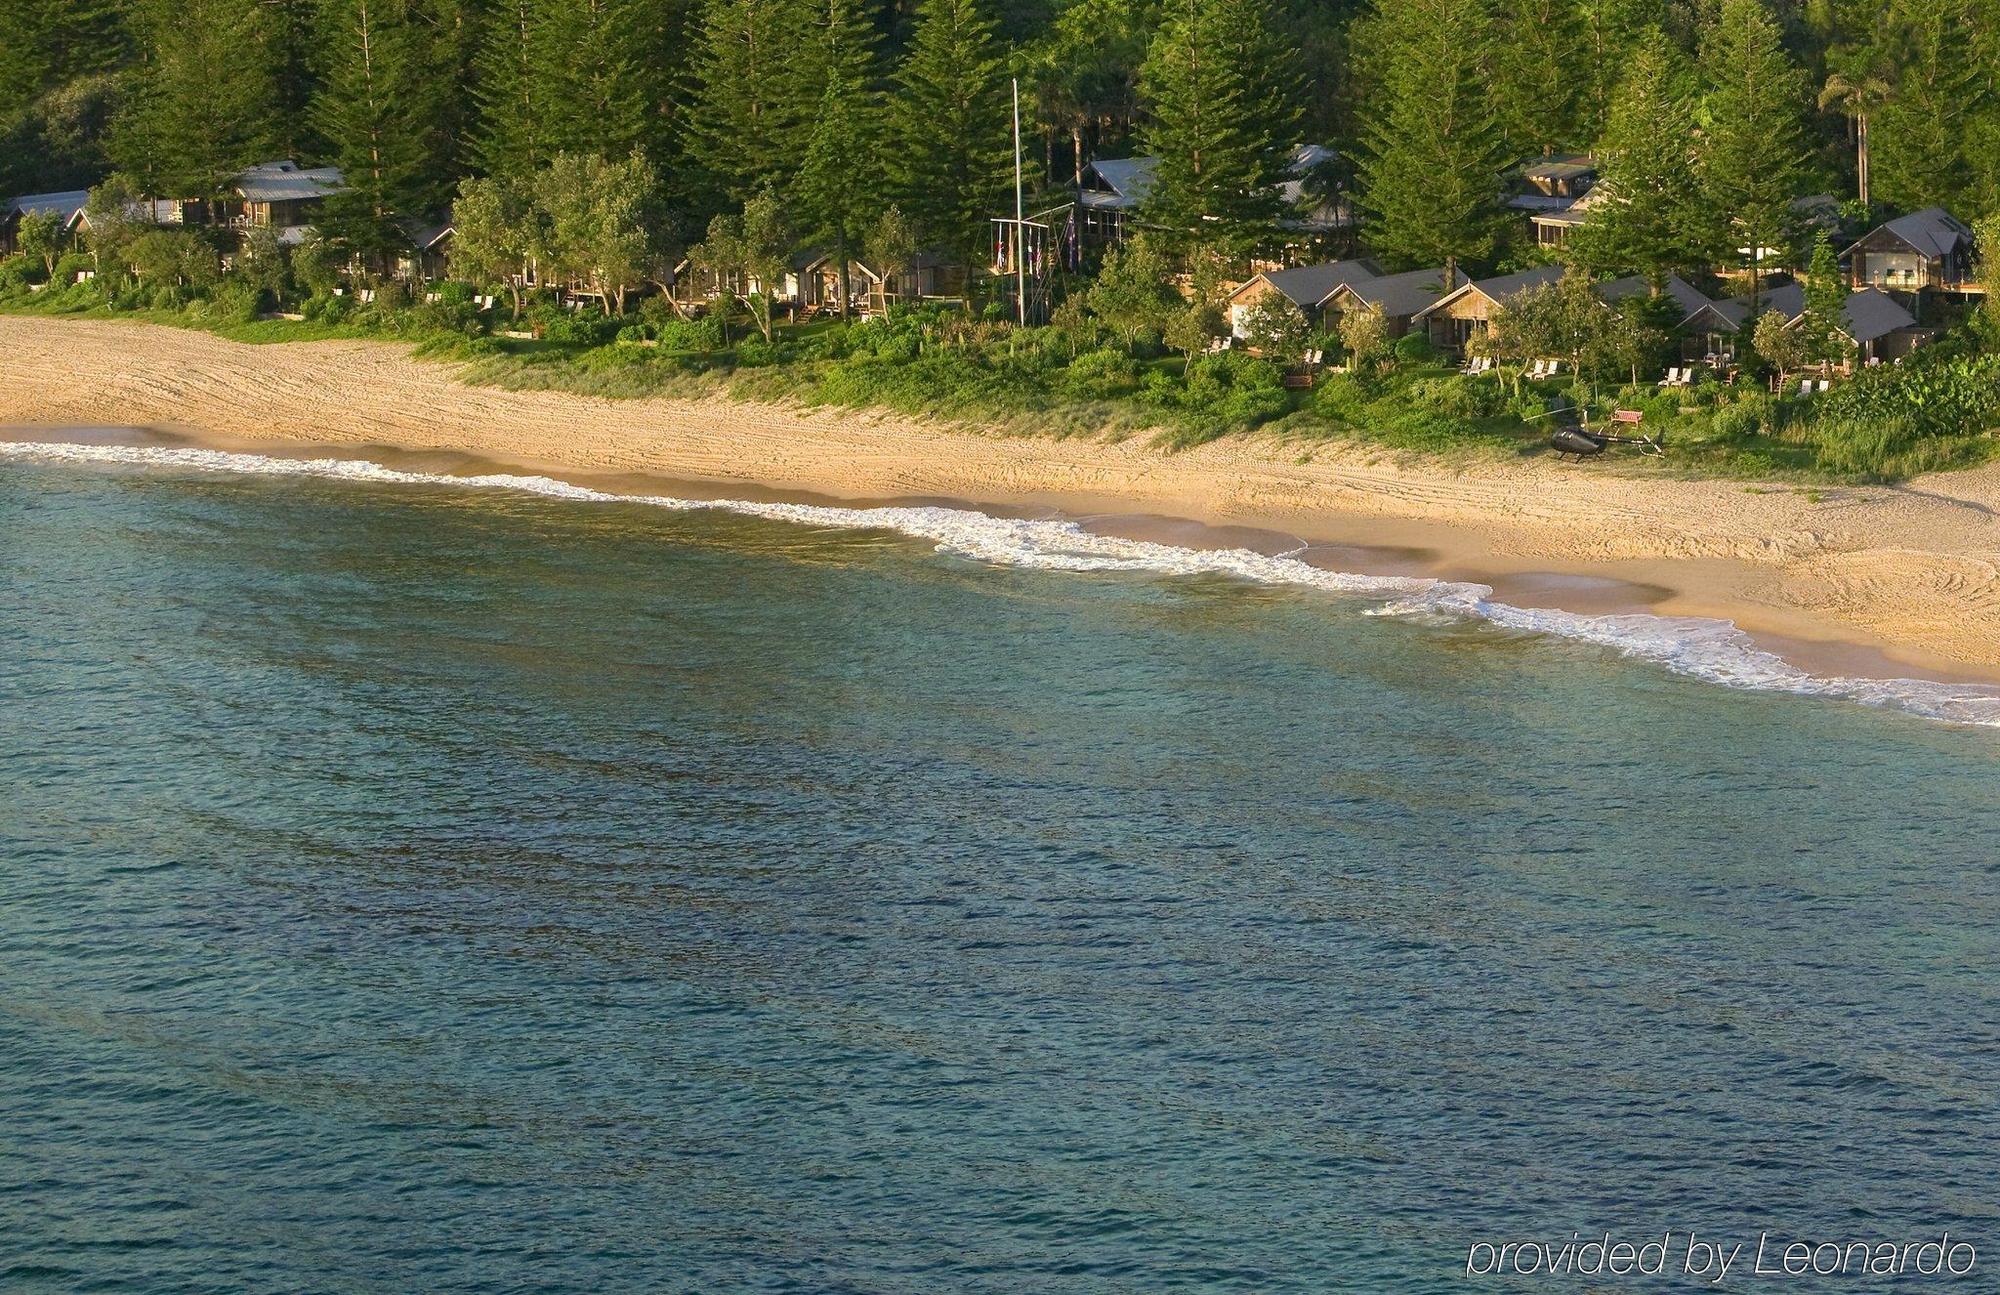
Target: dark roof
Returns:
[1503, 286]
[1309, 285]
[1614, 291]
[1403, 294]
[1933, 232]
[65, 204]
[1689, 298]
[1788, 299]
[1871, 313]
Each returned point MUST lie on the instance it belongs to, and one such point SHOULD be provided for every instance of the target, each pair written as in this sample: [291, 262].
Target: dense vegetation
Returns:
[605, 140]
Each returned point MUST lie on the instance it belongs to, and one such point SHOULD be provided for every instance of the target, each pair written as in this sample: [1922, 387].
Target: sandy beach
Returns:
[1902, 579]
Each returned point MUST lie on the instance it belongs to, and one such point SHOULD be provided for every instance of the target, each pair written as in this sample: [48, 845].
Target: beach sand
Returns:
[1868, 580]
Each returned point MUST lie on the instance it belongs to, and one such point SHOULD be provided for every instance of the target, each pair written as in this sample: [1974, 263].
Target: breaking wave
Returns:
[1711, 650]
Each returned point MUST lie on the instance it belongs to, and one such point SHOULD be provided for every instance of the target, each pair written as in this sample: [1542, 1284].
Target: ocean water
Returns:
[414, 885]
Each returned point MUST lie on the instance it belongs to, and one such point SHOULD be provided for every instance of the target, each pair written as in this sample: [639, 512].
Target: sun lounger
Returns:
[1805, 386]
[1673, 378]
[1823, 385]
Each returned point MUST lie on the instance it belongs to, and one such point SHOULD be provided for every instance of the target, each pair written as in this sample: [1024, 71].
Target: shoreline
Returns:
[1880, 582]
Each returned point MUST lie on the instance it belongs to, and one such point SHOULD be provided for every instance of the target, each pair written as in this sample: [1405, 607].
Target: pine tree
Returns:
[567, 76]
[1919, 135]
[1825, 319]
[1611, 31]
[737, 124]
[837, 196]
[1646, 214]
[1224, 112]
[594, 93]
[444, 46]
[369, 108]
[44, 43]
[1537, 101]
[201, 107]
[1431, 173]
[511, 139]
[1756, 155]
[949, 155]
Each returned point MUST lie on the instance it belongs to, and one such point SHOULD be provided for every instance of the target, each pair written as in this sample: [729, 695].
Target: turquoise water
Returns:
[412, 887]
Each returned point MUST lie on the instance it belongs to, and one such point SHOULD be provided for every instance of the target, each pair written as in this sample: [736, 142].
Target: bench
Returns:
[1630, 417]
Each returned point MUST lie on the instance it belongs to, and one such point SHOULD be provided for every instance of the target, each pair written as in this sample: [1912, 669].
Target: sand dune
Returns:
[1912, 570]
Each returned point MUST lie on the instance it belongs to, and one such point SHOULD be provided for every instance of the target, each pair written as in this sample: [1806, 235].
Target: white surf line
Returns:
[1711, 650]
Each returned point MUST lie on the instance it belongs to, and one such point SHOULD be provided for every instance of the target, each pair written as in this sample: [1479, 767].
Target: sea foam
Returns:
[1711, 650]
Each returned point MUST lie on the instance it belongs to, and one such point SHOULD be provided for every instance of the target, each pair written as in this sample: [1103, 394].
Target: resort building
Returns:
[1113, 190]
[1399, 298]
[1305, 286]
[66, 206]
[1927, 250]
[1466, 312]
[278, 195]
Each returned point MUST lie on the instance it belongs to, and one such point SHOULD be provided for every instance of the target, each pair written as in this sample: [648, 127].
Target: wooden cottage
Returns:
[1306, 286]
[1925, 250]
[1399, 298]
[1875, 322]
[66, 206]
[1466, 312]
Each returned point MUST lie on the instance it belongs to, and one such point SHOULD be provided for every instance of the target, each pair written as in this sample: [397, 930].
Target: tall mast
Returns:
[1020, 217]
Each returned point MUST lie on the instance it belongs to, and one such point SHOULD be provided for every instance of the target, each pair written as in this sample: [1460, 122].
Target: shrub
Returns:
[583, 328]
[327, 308]
[1099, 374]
[756, 353]
[70, 265]
[1414, 348]
[235, 301]
[16, 274]
[1939, 393]
[1344, 398]
[701, 336]
[1458, 397]
[1740, 418]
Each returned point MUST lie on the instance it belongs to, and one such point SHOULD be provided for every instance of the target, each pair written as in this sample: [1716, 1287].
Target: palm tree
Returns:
[1856, 96]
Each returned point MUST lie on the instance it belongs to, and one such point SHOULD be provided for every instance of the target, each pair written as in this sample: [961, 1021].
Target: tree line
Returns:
[1711, 117]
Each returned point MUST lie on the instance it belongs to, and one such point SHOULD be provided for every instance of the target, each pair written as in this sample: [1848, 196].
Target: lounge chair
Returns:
[1823, 385]
[1673, 378]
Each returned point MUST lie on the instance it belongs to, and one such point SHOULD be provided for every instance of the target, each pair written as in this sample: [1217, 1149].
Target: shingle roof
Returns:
[1689, 298]
[1309, 285]
[65, 204]
[1865, 315]
[1403, 294]
[288, 182]
[1616, 290]
[1934, 232]
[1871, 313]
[1503, 286]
